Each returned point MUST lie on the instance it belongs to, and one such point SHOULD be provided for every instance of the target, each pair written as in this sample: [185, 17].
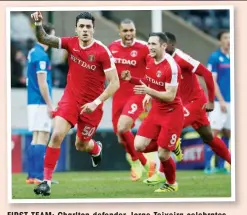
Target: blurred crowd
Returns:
[209, 21]
[22, 40]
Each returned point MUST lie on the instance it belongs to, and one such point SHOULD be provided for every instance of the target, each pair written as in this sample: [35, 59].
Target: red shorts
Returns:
[195, 115]
[165, 128]
[87, 123]
[130, 106]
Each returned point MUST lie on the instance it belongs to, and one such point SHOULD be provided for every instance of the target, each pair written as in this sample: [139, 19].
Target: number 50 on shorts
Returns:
[88, 131]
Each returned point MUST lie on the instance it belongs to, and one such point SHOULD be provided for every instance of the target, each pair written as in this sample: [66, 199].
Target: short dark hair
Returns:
[162, 37]
[48, 27]
[126, 21]
[171, 37]
[85, 15]
[220, 34]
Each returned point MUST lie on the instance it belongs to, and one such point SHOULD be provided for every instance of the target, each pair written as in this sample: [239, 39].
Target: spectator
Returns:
[17, 63]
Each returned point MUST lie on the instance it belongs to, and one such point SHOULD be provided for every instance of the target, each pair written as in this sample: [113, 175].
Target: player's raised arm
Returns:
[42, 36]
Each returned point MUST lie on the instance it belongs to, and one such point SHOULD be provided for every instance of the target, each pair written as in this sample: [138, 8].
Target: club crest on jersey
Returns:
[91, 58]
[133, 53]
[158, 74]
[42, 65]
[221, 59]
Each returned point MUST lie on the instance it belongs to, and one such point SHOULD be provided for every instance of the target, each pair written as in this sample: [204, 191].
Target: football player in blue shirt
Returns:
[220, 118]
[40, 107]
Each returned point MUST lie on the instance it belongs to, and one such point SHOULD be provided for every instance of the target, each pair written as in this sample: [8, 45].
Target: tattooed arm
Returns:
[46, 39]
[42, 36]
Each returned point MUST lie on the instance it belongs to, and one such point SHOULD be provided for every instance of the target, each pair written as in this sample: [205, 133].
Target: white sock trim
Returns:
[173, 183]
[48, 182]
[161, 174]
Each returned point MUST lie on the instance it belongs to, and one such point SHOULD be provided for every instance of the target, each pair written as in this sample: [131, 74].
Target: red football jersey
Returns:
[158, 76]
[87, 67]
[190, 88]
[131, 58]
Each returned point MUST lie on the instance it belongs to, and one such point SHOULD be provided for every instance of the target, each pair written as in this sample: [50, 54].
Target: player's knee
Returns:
[206, 134]
[139, 147]
[163, 154]
[56, 138]
[122, 128]
[226, 133]
[208, 137]
[46, 139]
[35, 137]
[43, 137]
[124, 124]
[81, 146]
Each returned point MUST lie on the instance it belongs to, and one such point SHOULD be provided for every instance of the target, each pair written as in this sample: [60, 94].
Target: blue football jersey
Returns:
[38, 62]
[219, 63]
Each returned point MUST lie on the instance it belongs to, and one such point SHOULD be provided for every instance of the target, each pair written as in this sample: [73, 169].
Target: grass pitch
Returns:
[192, 184]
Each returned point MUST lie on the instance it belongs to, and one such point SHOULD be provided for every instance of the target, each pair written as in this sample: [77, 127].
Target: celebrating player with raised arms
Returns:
[90, 63]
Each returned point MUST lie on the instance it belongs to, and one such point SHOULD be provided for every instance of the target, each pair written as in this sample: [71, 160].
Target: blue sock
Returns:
[30, 160]
[220, 161]
[208, 153]
[39, 154]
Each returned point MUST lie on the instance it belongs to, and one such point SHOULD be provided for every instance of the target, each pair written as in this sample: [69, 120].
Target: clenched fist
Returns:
[37, 16]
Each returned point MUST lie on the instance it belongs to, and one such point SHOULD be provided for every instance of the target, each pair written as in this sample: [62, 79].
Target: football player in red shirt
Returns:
[196, 103]
[90, 63]
[161, 129]
[129, 54]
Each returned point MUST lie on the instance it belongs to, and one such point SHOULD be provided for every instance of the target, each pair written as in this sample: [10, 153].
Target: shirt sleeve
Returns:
[64, 42]
[107, 60]
[41, 65]
[146, 53]
[208, 78]
[137, 81]
[172, 74]
[212, 64]
[188, 62]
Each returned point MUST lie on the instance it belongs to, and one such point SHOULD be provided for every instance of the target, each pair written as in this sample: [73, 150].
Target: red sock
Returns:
[51, 158]
[152, 147]
[139, 155]
[96, 149]
[169, 168]
[125, 145]
[220, 148]
[161, 169]
[142, 158]
[128, 138]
